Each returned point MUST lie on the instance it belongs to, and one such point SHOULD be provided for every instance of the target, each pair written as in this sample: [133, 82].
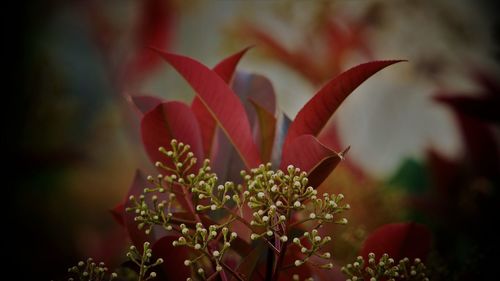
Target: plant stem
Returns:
[269, 264]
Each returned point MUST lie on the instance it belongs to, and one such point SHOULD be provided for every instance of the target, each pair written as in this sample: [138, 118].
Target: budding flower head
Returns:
[298, 262]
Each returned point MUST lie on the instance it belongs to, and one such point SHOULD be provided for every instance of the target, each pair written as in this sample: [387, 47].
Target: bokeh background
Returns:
[75, 141]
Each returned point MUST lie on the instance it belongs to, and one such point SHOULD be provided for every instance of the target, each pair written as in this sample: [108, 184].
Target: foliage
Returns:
[231, 216]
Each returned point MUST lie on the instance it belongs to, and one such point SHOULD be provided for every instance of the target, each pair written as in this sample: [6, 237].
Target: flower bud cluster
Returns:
[326, 208]
[201, 240]
[90, 271]
[143, 261]
[316, 242]
[147, 215]
[273, 196]
[385, 269]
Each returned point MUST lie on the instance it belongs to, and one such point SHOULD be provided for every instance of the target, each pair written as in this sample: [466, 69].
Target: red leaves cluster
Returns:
[233, 121]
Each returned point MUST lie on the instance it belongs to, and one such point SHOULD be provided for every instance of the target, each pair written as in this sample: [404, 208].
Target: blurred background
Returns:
[424, 134]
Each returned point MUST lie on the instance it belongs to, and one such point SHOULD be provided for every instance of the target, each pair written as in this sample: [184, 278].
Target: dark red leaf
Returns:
[484, 108]
[155, 28]
[313, 117]
[267, 128]
[399, 240]
[222, 103]
[308, 154]
[145, 103]
[225, 69]
[249, 263]
[165, 122]
[174, 257]
[117, 213]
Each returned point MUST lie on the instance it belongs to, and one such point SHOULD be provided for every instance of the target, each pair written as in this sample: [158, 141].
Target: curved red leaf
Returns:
[308, 154]
[222, 103]
[399, 240]
[165, 122]
[225, 69]
[145, 103]
[313, 117]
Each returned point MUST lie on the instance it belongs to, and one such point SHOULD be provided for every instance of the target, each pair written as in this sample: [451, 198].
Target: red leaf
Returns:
[145, 103]
[399, 240]
[222, 103]
[165, 122]
[308, 154]
[174, 257]
[118, 212]
[155, 28]
[267, 128]
[484, 108]
[313, 117]
[225, 69]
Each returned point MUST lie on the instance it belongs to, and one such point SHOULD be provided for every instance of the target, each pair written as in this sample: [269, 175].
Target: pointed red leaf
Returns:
[308, 154]
[225, 69]
[399, 240]
[313, 117]
[165, 122]
[222, 103]
[145, 103]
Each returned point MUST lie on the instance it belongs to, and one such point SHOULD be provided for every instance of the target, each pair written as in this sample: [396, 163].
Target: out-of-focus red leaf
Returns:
[145, 103]
[117, 213]
[399, 240]
[222, 103]
[155, 28]
[297, 60]
[267, 126]
[225, 69]
[313, 117]
[174, 257]
[485, 108]
[482, 148]
[165, 122]
[308, 154]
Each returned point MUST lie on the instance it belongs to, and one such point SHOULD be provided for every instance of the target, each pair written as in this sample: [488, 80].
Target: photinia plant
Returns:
[236, 197]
